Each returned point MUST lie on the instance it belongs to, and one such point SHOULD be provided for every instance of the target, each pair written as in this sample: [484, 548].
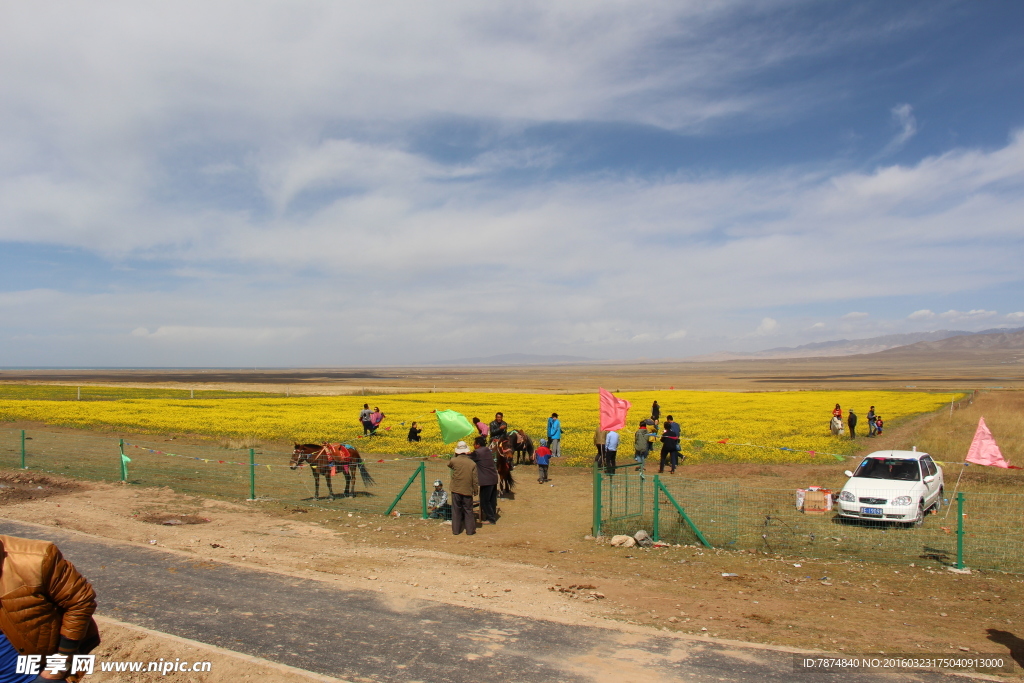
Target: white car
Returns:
[894, 486]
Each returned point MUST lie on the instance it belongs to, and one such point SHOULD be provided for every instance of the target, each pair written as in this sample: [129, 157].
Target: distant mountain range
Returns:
[517, 359]
[913, 341]
[990, 340]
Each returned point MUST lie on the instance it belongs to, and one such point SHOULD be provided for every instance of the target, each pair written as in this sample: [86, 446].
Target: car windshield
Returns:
[889, 468]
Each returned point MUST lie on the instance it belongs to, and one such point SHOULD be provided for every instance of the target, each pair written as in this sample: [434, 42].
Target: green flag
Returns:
[454, 426]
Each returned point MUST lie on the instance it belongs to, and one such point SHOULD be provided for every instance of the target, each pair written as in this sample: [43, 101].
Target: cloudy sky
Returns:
[304, 183]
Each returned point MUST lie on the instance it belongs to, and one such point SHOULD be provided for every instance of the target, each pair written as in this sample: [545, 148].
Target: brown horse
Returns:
[326, 459]
[503, 461]
[522, 447]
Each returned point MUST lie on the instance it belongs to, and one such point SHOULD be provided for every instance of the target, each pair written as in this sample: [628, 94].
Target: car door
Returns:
[928, 469]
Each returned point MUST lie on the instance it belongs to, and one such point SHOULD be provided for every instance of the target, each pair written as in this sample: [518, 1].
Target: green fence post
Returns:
[122, 458]
[657, 512]
[23, 450]
[596, 526]
[960, 530]
[404, 489]
[252, 474]
[423, 489]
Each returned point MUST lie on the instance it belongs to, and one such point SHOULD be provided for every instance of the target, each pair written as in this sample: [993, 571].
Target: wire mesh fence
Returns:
[249, 474]
[978, 530]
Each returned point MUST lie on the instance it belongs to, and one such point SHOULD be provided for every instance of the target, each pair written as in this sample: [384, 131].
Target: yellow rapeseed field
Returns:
[779, 426]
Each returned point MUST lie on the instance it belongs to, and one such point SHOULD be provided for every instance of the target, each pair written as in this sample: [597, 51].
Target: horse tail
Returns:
[365, 474]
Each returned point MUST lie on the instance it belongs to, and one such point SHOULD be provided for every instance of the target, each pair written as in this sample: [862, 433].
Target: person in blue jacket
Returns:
[555, 436]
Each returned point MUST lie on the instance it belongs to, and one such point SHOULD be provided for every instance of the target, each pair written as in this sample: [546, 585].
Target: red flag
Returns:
[984, 450]
[613, 411]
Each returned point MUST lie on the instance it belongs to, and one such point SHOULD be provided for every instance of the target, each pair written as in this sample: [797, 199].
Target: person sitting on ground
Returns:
[543, 458]
[414, 433]
[46, 611]
[438, 506]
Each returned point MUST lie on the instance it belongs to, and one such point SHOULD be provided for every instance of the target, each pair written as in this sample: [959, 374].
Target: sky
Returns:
[327, 183]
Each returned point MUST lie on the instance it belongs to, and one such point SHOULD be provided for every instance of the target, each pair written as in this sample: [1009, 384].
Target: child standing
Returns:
[543, 457]
[878, 425]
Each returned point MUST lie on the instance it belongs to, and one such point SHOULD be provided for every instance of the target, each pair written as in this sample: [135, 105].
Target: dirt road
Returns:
[364, 635]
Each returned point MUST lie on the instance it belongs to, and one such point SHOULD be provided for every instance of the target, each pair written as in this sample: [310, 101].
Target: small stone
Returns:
[643, 539]
[943, 614]
[152, 542]
[588, 537]
[673, 619]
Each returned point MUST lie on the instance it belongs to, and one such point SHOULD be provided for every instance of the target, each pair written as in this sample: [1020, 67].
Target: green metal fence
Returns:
[400, 485]
[978, 530]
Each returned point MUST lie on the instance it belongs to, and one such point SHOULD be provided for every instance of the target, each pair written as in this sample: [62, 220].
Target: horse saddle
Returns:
[338, 453]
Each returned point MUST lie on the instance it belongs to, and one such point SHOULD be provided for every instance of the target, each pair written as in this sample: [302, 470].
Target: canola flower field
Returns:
[770, 427]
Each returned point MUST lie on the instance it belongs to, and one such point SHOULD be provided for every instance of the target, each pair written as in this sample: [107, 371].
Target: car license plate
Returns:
[871, 511]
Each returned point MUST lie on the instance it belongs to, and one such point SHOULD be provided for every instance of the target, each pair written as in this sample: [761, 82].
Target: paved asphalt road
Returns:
[359, 635]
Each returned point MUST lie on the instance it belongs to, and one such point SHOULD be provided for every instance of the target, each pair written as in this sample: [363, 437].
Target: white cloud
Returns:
[261, 166]
[923, 314]
[767, 326]
[974, 314]
[818, 326]
[1017, 316]
[854, 315]
[903, 116]
[183, 334]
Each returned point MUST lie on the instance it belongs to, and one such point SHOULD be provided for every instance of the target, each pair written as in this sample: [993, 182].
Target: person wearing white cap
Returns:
[464, 485]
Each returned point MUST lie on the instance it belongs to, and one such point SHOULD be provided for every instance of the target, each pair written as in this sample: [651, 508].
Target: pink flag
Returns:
[984, 450]
[613, 411]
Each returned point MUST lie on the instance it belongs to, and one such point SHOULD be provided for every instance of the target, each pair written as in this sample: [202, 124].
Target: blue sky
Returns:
[329, 183]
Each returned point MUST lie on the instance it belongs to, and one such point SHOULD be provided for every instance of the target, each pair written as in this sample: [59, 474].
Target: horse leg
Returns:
[350, 483]
[327, 477]
[316, 483]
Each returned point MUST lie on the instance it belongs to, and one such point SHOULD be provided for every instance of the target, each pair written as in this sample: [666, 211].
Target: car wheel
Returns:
[920, 515]
[938, 501]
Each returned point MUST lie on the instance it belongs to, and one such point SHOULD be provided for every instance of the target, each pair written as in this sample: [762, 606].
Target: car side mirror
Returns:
[929, 479]
[848, 473]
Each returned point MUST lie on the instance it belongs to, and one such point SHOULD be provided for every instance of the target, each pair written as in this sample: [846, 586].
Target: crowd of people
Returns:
[875, 422]
[474, 475]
